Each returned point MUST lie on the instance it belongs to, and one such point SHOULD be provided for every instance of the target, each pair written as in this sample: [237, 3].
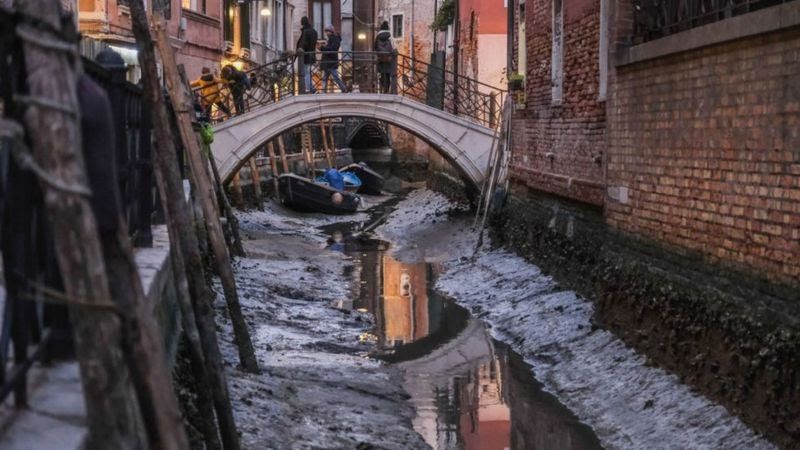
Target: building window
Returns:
[557, 60]
[194, 5]
[322, 12]
[397, 25]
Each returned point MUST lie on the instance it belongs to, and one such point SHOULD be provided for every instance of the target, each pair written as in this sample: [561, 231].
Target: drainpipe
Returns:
[510, 37]
[413, 21]
[435, 32]
[456, 54]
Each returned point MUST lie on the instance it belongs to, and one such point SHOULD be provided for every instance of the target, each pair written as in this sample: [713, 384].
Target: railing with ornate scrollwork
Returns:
[655, 19]
[410, 78]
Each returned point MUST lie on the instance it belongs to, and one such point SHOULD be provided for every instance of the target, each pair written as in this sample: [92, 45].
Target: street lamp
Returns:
[265, 11]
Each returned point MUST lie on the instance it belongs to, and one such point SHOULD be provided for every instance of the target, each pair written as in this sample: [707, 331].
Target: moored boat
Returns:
[351, 181]
[304, 194]
[371, 181]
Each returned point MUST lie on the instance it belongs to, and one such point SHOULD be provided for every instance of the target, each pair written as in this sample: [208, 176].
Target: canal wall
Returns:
[731, 335]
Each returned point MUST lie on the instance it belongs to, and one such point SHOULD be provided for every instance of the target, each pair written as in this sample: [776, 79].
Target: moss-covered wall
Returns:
[734, 337]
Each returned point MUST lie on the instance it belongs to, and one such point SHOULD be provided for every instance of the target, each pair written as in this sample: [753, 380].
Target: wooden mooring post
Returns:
[181, 229]
[255, 177]
[282, 151]
[273, 164]
[118, 346]
[181, 103]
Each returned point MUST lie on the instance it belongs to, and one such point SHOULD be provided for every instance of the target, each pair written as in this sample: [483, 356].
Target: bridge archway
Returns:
[367, 134]
[464, 144]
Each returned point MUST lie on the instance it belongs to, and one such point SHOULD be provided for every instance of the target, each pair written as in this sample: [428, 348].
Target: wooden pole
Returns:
[182, 106]
[181, 230]
[325, 143]
[112, 408]
[236, 190]
[333, 140]
[237, 247]
[273, 166]
[255, 177]
[282, 151]
[51, 117]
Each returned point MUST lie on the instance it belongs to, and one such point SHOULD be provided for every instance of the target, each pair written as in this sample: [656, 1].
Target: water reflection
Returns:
[470, 392]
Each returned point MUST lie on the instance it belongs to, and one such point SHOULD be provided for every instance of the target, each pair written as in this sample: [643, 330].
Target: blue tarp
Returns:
[334, 179]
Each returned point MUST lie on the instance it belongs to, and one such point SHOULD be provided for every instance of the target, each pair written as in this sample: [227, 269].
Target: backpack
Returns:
[384, 49]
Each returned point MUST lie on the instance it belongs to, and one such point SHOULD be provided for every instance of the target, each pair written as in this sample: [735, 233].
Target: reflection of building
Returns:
[405, 301]
[485, 421]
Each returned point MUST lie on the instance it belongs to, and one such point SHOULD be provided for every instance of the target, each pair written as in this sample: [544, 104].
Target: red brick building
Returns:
[656, 168]
[704, 141]
[559, 133]
[689, 137]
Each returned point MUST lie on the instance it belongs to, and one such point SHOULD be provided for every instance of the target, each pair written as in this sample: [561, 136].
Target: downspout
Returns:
[510, 38]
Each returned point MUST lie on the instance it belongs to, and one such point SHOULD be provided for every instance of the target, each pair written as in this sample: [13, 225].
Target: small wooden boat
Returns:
[304, 194]
[371, 181]
[351, 181]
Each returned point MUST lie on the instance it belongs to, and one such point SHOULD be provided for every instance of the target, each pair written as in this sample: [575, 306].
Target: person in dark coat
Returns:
[383, 46]
[238, 82]
[308, 43]
[330, 59]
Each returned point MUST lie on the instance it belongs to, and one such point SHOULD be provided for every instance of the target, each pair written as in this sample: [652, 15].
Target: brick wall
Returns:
[558, 148]
[704, 153]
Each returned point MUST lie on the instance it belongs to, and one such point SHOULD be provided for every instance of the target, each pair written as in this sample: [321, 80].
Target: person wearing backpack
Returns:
[330, 59]
[308, 43]
[238, 83]
[385, 49]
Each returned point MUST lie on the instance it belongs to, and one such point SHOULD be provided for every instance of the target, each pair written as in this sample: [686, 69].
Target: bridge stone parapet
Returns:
[462, 142]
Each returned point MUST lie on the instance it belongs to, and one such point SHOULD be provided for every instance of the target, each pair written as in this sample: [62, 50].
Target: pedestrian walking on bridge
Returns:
[385, 49]
[330, 59]
[308, 44]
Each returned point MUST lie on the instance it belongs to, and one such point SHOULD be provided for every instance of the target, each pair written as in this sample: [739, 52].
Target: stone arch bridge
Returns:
[464, 143]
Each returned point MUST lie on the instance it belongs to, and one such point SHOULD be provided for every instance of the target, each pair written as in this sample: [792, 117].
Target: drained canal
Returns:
[469, 391]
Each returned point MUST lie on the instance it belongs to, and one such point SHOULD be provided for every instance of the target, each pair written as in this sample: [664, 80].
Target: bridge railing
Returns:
[435, 86]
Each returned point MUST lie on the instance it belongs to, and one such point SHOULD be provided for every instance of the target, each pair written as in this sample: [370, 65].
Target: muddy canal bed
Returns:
[389, 337]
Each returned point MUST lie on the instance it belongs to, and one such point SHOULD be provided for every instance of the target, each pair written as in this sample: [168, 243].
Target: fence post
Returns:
[145, 183]
[393, 74]
[301, 72]
[492, 109]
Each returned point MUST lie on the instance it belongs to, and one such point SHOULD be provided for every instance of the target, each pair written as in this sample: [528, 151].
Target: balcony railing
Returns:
[410, 78]
[655, 19]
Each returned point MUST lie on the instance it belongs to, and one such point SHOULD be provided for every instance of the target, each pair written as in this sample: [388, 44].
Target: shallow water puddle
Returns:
[470, 392]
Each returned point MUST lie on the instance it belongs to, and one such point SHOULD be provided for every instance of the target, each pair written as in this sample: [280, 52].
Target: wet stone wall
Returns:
[731, 336]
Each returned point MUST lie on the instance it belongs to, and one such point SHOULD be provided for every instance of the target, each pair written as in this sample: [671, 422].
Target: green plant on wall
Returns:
[516, 81]
[445, 15]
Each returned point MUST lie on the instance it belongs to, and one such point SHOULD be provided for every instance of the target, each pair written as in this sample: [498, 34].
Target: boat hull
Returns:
[305, 195]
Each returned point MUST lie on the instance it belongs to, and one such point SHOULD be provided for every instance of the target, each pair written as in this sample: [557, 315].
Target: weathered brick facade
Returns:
[558, 146]
[706, 143]
[694, 258]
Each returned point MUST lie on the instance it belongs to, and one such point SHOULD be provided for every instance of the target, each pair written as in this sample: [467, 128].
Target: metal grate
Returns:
[654, 19]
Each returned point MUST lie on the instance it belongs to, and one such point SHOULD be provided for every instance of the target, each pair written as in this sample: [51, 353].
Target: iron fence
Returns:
[34, 328]
[655, 19]
[434, 86]
[132, 127]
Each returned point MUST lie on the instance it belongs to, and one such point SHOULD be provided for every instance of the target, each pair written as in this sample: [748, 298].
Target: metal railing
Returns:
[417, 80]
[655, 19]
[132, 127]
[32, 327]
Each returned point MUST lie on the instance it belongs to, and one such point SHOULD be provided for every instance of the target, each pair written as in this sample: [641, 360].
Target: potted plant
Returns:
[516, 89]
[516, 82]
